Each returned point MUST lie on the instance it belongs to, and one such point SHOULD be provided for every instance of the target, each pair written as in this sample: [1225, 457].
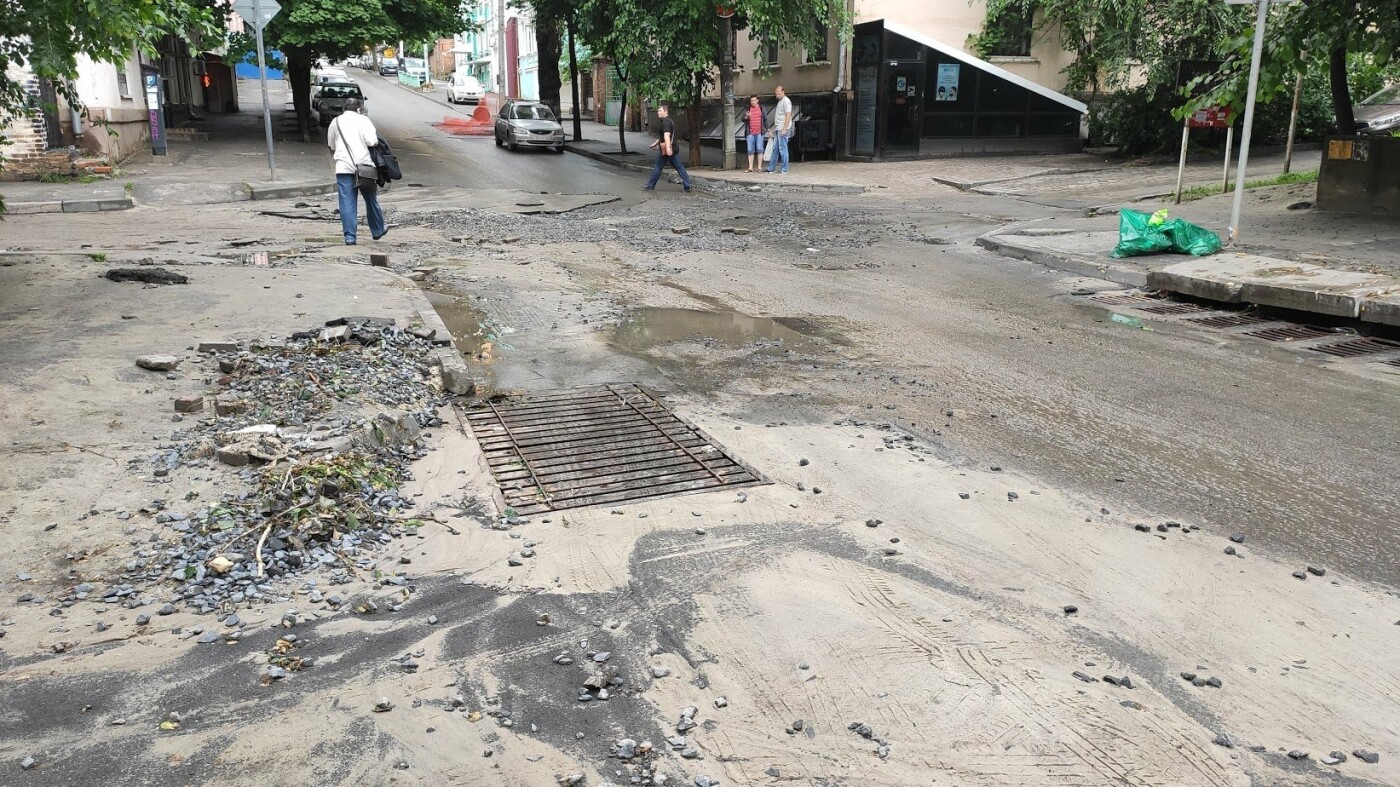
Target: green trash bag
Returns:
[1140, 233]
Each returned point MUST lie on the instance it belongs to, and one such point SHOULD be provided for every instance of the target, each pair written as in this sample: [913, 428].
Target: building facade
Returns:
[878, 94]
[500, 51]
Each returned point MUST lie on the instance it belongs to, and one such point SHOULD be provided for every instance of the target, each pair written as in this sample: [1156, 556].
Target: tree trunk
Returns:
[574, 76]
[622, 122]
[692, 115]
[550, 47]
[299, 77]
[1341, 92]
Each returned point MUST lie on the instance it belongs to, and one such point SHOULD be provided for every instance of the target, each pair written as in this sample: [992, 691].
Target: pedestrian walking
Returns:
[665, 146]
[753, 138]
[781, 130]
[350, 138]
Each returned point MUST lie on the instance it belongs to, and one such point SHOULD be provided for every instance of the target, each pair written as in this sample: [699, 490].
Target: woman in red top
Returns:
[753, 130]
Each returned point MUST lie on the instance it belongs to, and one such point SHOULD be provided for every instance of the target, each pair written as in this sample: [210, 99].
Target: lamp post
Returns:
[726, 80]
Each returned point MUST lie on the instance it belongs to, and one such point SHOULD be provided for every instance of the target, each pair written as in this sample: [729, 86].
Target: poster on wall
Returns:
[866, 77]
[947, 89]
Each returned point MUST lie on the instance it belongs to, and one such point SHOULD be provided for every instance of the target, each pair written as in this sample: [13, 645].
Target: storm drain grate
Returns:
[1229, 320]
[1289, 332]
[1358, 347]
[1392, 362]
[1177, 308]
[1125, 299]
[597, 445]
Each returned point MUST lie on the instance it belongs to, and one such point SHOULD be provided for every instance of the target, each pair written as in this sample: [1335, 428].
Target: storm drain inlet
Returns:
[598, 445]
[1290, 333]
[1357, 348]
[1230, 320]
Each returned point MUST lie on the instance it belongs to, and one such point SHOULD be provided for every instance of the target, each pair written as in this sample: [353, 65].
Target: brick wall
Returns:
[25, 151]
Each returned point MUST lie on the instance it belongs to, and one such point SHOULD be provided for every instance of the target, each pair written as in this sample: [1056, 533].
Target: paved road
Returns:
[432, 157]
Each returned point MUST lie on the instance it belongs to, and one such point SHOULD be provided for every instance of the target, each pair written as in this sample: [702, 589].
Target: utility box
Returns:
[1360, 174]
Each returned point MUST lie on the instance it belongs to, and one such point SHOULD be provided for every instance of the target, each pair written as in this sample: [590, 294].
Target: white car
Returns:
[465, 89]
[324, 75]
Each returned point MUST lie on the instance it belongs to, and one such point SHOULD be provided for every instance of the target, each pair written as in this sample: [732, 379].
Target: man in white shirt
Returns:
[350, 137]
[782, 129]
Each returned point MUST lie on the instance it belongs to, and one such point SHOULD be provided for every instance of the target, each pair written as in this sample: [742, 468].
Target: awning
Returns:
[975, 62]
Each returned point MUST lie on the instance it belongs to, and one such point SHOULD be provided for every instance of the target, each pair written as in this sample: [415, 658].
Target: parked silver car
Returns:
[1379, 114]
[528, 124]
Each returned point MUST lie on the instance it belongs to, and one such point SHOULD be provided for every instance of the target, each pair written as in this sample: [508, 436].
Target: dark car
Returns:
[330, 99]
[1379, 114]
[528, 124]
[388, 67]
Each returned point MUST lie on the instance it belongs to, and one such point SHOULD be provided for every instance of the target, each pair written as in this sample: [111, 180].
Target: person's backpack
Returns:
[386, 162]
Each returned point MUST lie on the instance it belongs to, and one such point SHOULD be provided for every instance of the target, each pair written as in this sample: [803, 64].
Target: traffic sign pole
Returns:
[262, 76]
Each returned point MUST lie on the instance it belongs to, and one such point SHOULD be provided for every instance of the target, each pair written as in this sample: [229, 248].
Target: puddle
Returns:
[650, 327]
[471, 332]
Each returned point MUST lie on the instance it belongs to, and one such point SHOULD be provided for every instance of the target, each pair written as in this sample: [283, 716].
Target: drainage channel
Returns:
[1339, 341]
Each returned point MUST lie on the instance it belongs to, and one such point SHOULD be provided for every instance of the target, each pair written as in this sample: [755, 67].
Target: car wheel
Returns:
[498, 140]
[559, 150]
[510, 146]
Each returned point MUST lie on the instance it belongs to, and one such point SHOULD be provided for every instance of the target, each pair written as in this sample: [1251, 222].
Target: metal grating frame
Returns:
[1178, 308]
[1358, 347]
[598, 445]
[1290, 333]
[1124, 298]
[1230, 320]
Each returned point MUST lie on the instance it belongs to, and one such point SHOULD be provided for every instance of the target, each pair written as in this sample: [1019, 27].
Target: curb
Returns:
[1078, 264]
[292, 190]
[701, 180]
[456, 375]
[69, 206]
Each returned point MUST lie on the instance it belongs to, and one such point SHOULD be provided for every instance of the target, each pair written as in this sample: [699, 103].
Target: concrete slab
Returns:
[1249, 278]
[27, 208]
[1381, 306]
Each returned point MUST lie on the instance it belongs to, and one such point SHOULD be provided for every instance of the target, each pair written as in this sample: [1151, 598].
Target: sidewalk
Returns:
[226, 162]
[1289, 256]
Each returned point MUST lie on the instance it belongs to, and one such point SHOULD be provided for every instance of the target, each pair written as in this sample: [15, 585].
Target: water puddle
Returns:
[646, 328]
[472, 333]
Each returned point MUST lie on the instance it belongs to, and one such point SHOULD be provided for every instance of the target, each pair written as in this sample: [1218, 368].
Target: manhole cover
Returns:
[1177, 308]
[1358, 347]
[1229, 320]
[1124, 298]
[592, 446]
[1289, 333]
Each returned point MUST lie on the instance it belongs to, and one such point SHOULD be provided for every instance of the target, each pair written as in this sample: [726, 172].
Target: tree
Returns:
[309, 29]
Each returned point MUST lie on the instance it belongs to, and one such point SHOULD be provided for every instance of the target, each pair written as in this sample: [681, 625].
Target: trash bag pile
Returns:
[1141, 233]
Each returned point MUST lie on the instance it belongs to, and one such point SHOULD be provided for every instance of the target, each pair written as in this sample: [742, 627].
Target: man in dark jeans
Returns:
[665, 146]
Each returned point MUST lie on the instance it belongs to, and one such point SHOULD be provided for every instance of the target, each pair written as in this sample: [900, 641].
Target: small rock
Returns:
[383, 705]
[803, 463]
[166, 609]
[1012, 496]
[432, 620]
[803, 665]
[1214, 683]
[721, 702]
[1317, 571]
[27, 764]
[1334, 758]
[1368, 757]
[1300, 575]
[704, 781]
[626, 749]
[189, 404]
[1221, 739]
[660, 672]
[1229, 550]
[1070, 609]
[798, 725]
[142, 620]
[964, 495]
[680, 230]
[1298, 754]
[1083, 677]
[1238, 538]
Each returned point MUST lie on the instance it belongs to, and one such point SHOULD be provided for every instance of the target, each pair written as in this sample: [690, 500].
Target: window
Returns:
[1009, 33]
[123, 86]
[770, 53]
[817, 54]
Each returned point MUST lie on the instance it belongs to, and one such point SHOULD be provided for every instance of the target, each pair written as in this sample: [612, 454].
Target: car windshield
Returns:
[412, 62]
[532, 112]
[340, 91]
[1390, 95]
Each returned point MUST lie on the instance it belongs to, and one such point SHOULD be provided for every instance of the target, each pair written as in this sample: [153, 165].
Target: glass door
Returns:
[904, 108]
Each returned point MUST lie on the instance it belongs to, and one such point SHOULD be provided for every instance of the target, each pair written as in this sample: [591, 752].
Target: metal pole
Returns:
[1248, 119]
[1181, 164]
[1229, 146]
[1292, 125]
[726, 87]
[573, 70]
[262, 77]
[427, 67]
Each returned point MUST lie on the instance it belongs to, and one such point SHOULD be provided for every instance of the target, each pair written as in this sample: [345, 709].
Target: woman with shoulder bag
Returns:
[350, 138]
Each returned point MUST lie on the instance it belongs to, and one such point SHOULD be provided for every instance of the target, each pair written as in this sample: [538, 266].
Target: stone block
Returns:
[225, 404]
[379, 260]
[218, 347]
[189, 404]
[232, 455]
[338, 333]
[158, 363]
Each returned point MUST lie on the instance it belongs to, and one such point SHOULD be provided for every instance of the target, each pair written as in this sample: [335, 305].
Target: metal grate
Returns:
[1124, 298]
[1358, 347]
[591, 446]
[1392, 362]
[1289, 333]
[1177, 308]
[1229, 320]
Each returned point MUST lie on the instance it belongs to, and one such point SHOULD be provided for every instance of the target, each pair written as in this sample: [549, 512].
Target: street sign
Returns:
[257, 14]
[1211, 117]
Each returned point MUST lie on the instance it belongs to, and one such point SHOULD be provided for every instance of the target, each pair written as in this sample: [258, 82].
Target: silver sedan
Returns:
[528, 124]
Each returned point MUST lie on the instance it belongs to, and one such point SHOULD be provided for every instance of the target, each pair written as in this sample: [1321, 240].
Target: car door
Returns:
[502, 125]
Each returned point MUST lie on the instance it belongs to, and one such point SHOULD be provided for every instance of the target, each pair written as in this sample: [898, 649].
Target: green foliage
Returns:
[1201, 192]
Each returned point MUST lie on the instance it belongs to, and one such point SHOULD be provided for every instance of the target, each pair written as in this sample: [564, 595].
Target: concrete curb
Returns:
[69, 206]
[456, 375]
[1078, 264]
[701, 180]
[289, 190]
[972, 185]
